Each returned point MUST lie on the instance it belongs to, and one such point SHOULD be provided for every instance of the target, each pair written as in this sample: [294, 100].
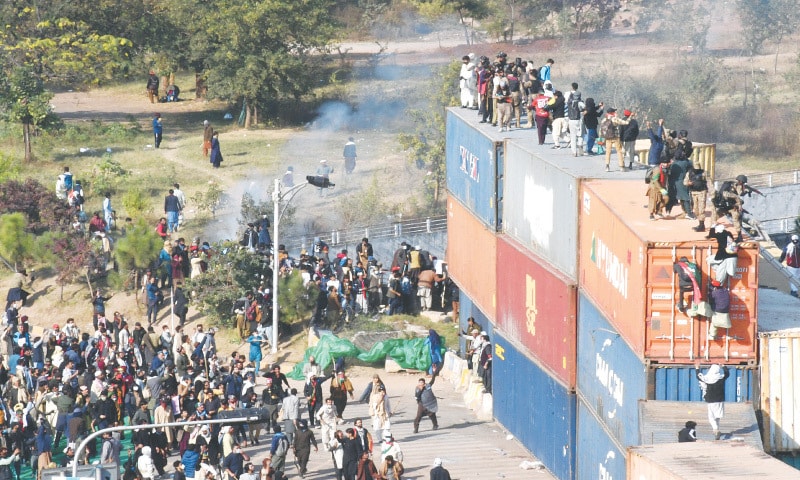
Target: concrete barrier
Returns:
[486, 411]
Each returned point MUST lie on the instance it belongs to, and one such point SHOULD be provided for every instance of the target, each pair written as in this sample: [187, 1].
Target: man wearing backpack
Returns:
[574, 108]
[609, 130]
[515, 88]
[279, 449]
[628, 135]
[697, 183]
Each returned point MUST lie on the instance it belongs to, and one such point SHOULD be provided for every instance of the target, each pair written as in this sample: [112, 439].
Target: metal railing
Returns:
[783, 224]
[353, 235]
[773, 179]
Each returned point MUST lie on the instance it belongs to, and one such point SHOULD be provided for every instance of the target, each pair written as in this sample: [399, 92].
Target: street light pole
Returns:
[280, 201]
[276, 220]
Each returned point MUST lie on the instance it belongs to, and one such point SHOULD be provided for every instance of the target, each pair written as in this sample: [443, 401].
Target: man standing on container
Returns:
[712, 383]
[791, 254]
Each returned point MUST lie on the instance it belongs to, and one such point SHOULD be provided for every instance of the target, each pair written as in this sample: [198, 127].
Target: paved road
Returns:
[470, 448]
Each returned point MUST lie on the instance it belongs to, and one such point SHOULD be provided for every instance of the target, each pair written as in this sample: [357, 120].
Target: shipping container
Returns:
[679, 383]
[600, 457]
[626, 263]
[534, 407]
[612, 379]
[709, 461]
[468, 309]
[537, 307]
[661, 421]
[471, 256]
[779, 400]
[542, 187]
[474, 158]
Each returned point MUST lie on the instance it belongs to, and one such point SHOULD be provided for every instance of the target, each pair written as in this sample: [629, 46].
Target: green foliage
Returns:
[138, 248]
[9, 169]
[426, 145]
[295, 301]
[699, 76]
[231, 273]
[210, 200]
[108, 174]
[365, 207]
[136, 203]
[16, 244]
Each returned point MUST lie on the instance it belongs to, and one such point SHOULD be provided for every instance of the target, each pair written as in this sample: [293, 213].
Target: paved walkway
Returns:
[470, 448]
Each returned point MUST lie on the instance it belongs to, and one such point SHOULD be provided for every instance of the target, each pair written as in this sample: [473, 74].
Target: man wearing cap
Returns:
[697, 183]
[628, 135]
[303, 440]
[609, 129]
[438, 472]
[791, 254]
[390, 447]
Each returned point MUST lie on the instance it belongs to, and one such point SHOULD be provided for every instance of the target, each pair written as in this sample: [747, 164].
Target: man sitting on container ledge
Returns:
[712, 383]
[688, 434]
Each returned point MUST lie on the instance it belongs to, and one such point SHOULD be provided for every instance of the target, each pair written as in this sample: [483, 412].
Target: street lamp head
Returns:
[319, 181]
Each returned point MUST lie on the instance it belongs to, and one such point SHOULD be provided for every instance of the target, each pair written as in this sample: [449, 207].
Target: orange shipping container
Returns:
[626, 268]
[471, 256]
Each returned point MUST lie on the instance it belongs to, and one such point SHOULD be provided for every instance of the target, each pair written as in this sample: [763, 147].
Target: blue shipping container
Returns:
[534, 407]
[468, 309]
[611, 378]
[679, 383]
[599, 456]
[474, 168]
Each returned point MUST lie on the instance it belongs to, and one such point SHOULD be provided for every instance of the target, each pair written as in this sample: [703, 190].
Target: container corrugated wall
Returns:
[534, 407]
[474, 168]
[780, 391]
[543, 207]
[600, 457]
[537, 307]
[679, 383]
[630, 277]
[471, 258]
[611, 378]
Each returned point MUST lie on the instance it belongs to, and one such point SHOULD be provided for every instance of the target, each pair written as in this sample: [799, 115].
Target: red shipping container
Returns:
[537, 308]
[470, 256]
[626, 268]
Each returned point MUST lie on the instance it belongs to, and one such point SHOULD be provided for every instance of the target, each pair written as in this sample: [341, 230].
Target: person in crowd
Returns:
[158, 130]
[438, 472]
[152, 87]
[657, 193]
[791, 255]
[656, 142]
[627, 136]
[697, 183]
[216, 153]
[688, 433]
[208, 133]
[349, 156]
[303, 441]
[712, 383]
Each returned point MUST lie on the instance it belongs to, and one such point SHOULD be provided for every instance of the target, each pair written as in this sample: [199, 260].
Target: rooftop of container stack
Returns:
[628, 200]
[587, 166]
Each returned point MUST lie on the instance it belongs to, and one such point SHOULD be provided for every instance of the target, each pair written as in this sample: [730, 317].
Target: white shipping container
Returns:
[706, 461]
[779, 342]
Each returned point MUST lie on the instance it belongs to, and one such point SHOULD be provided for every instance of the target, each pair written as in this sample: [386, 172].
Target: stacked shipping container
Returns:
[588, 355]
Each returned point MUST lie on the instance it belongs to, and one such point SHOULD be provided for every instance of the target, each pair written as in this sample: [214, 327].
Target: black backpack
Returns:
[697, 181]
[574, 107]
[513, 84]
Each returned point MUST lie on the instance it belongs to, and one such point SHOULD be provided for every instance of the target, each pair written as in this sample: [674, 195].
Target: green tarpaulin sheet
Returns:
[412, 354]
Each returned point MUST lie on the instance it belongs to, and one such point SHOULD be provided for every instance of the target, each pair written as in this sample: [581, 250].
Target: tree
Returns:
[137, 250]
[39, 45]
[265, 49]
[232, 271]
[474, 9]
[426, 145]
[371, 207]
[68, 254]
[16, 244]
[590, 15]
[42, 210]
[767, 20]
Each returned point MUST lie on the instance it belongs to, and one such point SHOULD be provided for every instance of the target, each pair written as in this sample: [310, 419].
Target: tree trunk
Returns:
[248, 114]
[255, 114]
[26, 139]
[200, 88]
[777, 51]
